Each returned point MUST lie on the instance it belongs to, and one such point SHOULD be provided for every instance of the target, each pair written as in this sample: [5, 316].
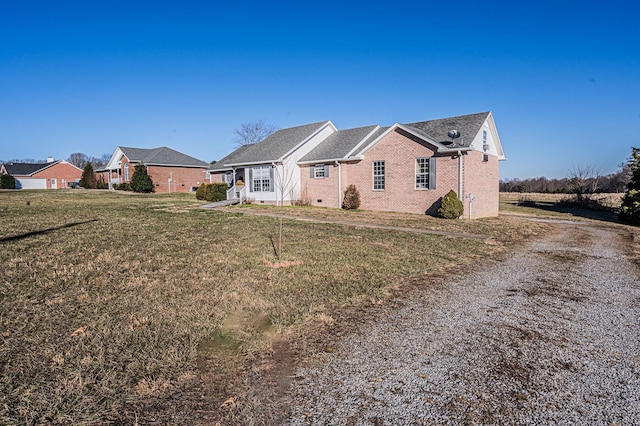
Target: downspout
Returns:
[339, 184]
[460, 197]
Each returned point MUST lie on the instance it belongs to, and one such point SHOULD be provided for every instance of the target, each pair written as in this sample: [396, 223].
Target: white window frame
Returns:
[126, 172]
[260, 183]
[318, 171]
[422, 173]
[378, 175]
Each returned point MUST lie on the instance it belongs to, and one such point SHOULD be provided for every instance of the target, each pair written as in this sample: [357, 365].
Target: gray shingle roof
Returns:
[436, 130]
[342, 143]
[26, 169]
[162, 156]
[272, 148]
[338, 145]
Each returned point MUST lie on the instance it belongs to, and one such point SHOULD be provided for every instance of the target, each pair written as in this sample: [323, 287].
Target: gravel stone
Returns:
[549, 336]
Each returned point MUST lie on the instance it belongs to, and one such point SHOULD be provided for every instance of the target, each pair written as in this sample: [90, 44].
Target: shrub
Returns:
[630, 210]
[125, 186]
[88, 179]
[451, 207]
[212, 191]
[7, 181]
[200, 192]
[140, 181]
[351, 199]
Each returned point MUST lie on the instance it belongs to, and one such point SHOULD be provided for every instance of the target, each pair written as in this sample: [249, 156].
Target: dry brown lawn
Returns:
[124, 308]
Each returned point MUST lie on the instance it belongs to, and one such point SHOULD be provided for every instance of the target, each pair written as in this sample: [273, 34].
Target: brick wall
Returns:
[321, 192]
[182, 178]
[399, 150]
[61, 172]
[481, 178]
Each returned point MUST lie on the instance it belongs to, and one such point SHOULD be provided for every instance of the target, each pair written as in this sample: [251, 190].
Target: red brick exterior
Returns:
[183, 179]
[399, 151]
[481, 178]
[63, 173]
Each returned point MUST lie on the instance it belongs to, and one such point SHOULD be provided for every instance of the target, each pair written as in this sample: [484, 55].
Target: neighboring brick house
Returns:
[170, 170]
[54, 174]
[403, 167]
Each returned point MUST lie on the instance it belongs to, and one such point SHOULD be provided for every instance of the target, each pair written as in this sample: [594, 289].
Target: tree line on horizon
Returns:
[588, 177]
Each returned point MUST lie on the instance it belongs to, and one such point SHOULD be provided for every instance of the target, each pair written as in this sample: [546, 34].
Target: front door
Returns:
[54, 184]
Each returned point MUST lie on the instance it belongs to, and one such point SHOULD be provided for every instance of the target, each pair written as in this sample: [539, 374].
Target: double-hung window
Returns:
[261, 179]
[425, 173]
[422, 173]
[126, 172]
[378, 175]
[319, 171]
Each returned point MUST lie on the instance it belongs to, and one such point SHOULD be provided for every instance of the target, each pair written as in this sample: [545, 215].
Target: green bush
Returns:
[88, 179]
[212, 191]
[451, 207]
[200, 192]
[630, 210]
[7, 182]
[351, 199]
[125, 186]
[140, 181]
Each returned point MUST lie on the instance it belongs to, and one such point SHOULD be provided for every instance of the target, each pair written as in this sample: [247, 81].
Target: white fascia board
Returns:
[328, 160]
[72, 165]
[492, 125]
[113, 161]
[439, 147]
[254, 163]
[359, 144]
[47, 166]
[320, 129]
[375, 141]
[176, 165]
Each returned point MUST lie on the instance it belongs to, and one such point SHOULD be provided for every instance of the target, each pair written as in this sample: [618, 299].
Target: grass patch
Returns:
[120, 307]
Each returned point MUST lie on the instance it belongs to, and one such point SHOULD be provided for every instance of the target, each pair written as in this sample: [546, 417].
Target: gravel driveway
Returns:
[549, 336]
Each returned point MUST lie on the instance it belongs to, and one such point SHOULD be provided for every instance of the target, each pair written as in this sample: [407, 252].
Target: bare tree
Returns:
[583, 181]
[253, 132]
[78, 159]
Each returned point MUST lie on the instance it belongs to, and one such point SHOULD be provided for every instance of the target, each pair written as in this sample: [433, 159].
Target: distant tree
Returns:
[88, 178]
[253, 132]
[7, 181]
[78, 159]
[522, 187]
[213, 162]
[630, 210]
[583, 181]
[140, 181]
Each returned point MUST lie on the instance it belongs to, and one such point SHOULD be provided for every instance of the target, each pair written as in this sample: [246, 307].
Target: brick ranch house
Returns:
[54, 174]
[170, 170]
[402, 168]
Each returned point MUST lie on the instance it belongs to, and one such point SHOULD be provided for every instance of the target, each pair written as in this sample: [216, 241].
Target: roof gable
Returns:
[27, 169]
[274, 148]
[437, 130]
[162, 156]
[338, 145]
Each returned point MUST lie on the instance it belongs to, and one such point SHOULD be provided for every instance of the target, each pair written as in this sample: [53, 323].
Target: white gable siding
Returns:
[287, 174]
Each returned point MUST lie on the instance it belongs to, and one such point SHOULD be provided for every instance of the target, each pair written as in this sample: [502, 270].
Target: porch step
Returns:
[222, 203]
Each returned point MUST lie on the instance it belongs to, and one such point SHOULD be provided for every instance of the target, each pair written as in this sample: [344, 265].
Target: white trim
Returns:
[348, 154]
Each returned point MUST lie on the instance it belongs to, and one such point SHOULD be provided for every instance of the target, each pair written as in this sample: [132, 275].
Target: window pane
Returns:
[261, 179]
[378, 175]
[422, 173]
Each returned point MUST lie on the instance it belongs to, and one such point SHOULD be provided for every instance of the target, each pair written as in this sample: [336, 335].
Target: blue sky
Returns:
[561, 77]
